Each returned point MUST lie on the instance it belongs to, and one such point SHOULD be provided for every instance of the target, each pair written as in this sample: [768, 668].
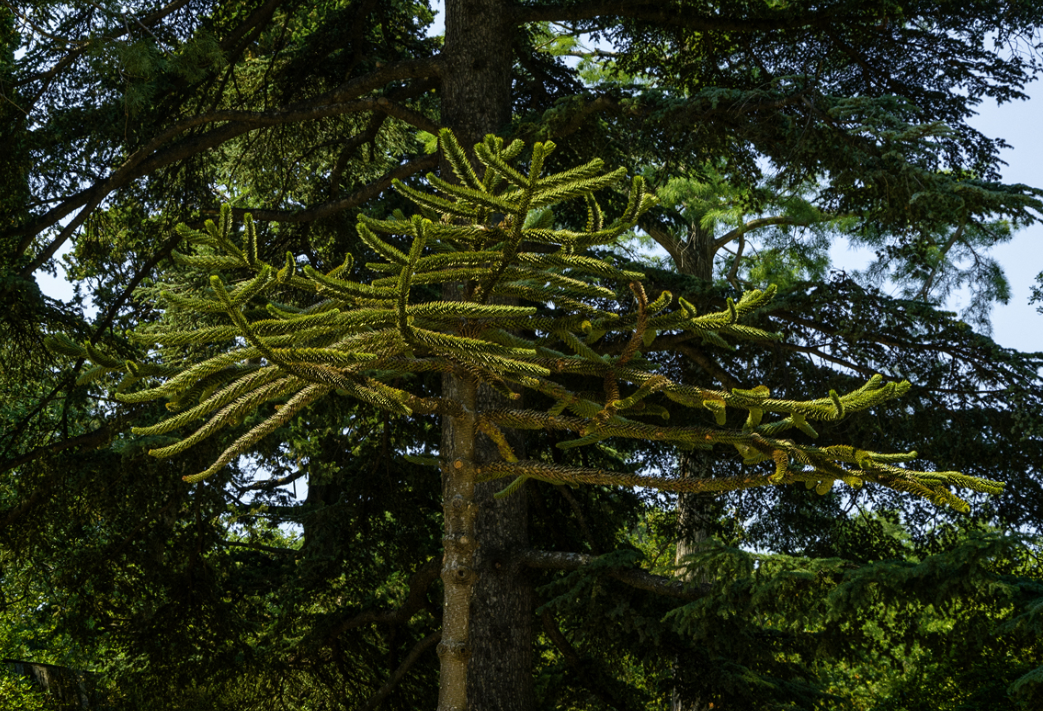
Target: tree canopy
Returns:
[766, 129]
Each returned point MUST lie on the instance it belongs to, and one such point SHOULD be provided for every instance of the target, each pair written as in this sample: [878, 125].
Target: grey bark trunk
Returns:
[500, 677]
[695, 512]
[476, 91]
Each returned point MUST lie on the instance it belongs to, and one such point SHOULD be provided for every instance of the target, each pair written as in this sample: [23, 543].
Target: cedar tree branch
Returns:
[634, 577]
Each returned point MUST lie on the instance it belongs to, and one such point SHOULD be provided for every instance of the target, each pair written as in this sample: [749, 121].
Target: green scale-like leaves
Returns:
[555, 338]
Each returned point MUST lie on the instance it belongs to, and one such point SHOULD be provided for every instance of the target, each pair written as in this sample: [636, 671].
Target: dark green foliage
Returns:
[365, 339]
[851, 94]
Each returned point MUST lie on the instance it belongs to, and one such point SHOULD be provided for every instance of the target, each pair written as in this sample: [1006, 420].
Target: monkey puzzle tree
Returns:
[295, 335]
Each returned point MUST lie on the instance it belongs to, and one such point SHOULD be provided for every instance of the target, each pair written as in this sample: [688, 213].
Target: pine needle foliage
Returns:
[359, 339]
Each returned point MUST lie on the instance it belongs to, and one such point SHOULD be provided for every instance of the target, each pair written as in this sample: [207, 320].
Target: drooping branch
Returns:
[634, 577]
[357, 198]
[418, 584]
[88, 440]
[153, 156]
[573, 659]
[414, 654]
[711, 367]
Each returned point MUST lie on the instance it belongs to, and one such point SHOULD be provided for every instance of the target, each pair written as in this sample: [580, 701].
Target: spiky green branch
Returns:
[358, 339]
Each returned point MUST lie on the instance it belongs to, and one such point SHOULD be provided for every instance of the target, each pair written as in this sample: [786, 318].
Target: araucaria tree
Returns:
[293, 335]
[122, 119]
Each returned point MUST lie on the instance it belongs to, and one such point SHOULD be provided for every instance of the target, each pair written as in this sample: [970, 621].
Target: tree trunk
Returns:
[476, 76]
[476, 91]
[694, 259]
[695, 512]
[69, 689]
[460, 542]
[500, 677]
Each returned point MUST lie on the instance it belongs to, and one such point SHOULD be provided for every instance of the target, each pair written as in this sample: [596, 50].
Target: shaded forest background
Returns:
[305, 575]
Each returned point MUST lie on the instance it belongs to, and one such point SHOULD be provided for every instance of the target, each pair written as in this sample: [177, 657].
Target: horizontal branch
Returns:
[270, 484]
[763, 222]
[671, 15]
[357, 198]
[634, 577]
[150, 157]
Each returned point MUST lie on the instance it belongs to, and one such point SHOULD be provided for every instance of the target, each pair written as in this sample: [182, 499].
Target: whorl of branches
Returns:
[358, 339]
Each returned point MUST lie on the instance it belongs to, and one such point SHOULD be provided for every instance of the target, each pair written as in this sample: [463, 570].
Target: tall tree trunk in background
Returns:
[696, 260]
[695, 512]
[476, 85]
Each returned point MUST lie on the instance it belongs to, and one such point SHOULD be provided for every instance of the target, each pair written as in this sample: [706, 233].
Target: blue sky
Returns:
[1017, 324]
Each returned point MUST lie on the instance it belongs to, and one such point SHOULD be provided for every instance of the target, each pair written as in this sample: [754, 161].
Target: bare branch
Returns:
[355, 199]
[418, 649]
[741, 230]
[733, 272]
[634, 577]
[715, 371]
[269, 484]
[673, 246]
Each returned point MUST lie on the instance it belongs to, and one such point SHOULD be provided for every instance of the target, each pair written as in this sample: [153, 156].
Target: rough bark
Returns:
[69, 689]
[500, 677]
[476, 70]
[458, 569]
[476, 100]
